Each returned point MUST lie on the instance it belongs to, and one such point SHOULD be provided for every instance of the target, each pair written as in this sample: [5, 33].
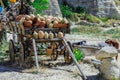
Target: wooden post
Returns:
[2, 4]
[74, 59]
[36, 57]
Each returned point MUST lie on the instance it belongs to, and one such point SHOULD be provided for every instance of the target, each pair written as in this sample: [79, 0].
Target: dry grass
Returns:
[111, 22]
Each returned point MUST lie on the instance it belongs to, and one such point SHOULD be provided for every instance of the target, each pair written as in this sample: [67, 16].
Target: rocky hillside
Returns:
[53, 8]
[100, 8]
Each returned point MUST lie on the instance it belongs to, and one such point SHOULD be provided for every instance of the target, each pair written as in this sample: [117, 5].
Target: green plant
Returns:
[92, 18]
[3, 49]
[66, 11]
[112, 31]
[41, 48]
[86, 30]
[78, 54]
[74, 17]
[40, 5]
[80, 9]
[116, 17]
[104, 19]
[5, 2]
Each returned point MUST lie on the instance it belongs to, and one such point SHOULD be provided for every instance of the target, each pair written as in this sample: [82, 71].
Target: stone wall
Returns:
[53, 9]
[107, 8]
[101, 8]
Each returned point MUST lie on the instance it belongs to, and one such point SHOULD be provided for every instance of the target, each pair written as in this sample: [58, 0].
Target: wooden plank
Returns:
[35, 53]
[88, 47]
[74, 59]
[56, 30]
[49, 40]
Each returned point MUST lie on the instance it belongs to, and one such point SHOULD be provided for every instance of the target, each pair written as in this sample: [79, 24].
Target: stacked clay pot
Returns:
[46, 35]
[42, 21]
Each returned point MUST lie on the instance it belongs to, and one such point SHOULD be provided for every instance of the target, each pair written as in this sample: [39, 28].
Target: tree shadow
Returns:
[7, 67]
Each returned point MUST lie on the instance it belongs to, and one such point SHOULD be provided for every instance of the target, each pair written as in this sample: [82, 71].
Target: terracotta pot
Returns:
[48, 51]
[36, 21]
[67, 59]
[18, 18]
[41, 24]
[41, 34]
[60, 25]
[27, 24]
[28, 36]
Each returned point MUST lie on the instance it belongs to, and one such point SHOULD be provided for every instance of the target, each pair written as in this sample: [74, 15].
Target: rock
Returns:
[106, 52]
[115, 25]
[84, 22]
[110, 69]
[100, 8]
[53, 8]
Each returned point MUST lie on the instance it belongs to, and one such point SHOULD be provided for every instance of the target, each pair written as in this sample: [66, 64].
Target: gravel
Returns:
[66, 72]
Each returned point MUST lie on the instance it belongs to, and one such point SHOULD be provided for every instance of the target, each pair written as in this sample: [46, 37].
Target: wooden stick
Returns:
[36, 57]
[74, 59]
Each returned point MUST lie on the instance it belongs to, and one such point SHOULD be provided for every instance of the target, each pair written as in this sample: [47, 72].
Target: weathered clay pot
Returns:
[18, 18]
[48, 51]
[60, 35]
[60, 25]
[40, 34]
[41, 24]
[36, 21]
[27, 24]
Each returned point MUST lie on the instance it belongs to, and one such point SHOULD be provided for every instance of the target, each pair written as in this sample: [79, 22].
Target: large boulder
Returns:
[53, 8]
[106, 52]
[110, 69]
[100, 8]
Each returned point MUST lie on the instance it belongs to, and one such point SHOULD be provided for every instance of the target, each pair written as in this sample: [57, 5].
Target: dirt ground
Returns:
[55, 71]
[52, 72]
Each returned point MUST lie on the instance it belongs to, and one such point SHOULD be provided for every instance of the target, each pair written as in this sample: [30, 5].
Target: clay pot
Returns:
[40, 34]
[60, 35]
[41, 24]
[60, 25]
[67, 59]
[51, 35]
[18, 18]
[35, 34]
[36, 21]
[27, 24]
[32, 16]
[28, 36]
[48, 51]
[46, 35]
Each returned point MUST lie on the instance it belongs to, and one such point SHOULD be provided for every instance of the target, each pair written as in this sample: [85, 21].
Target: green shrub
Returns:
[5, 2]
[78, 54]
[112, 31]
[104, 19]
[74, 17]
[40, 5]
[93, 19]
[87, 29]
[116, 17]
[80, 9]
[66, 11]
[3, 49]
